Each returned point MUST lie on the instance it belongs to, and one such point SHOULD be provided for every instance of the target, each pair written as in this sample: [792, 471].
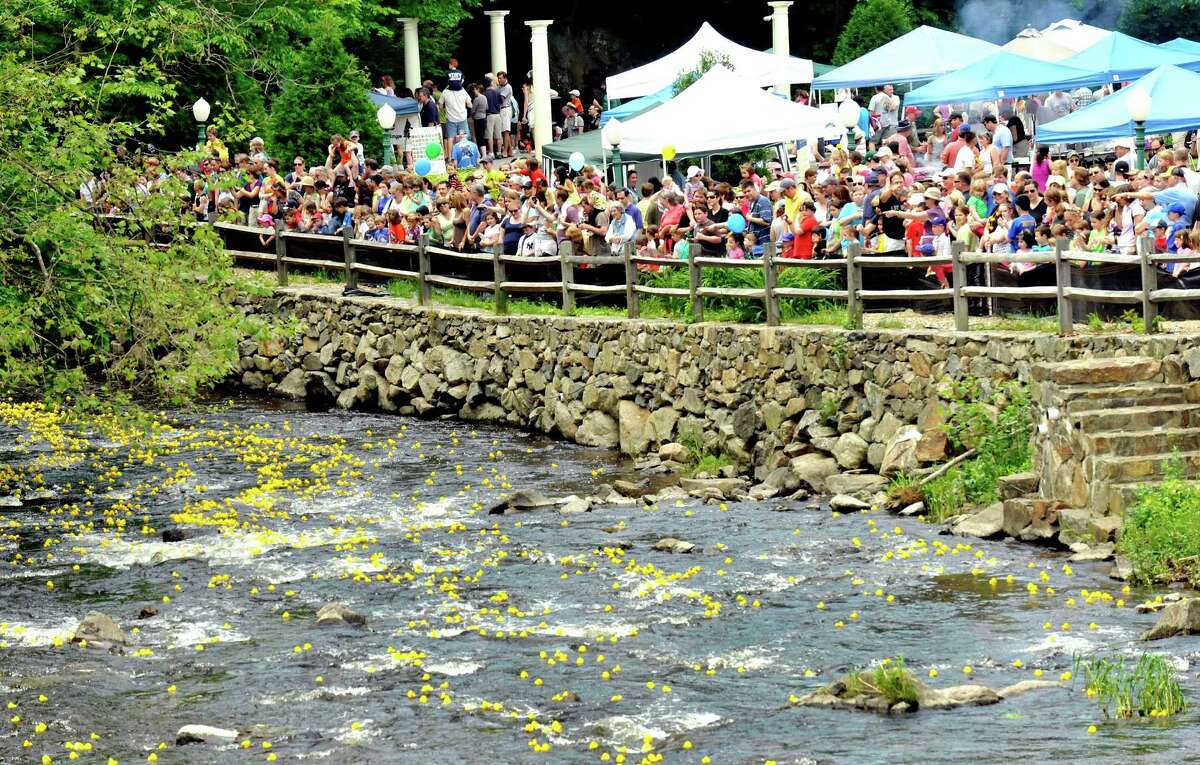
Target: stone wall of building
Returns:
[870, 400]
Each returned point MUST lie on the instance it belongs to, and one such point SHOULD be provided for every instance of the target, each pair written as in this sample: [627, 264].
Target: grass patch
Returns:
[1161, 535]
[1021, 323]
[891, 679]
[1125, 689]
[999, 426]
[905, 489]
[740, 310]
[701, 460]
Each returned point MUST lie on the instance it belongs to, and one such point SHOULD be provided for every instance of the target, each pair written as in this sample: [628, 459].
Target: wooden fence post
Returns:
[694, 283]
[499, 278]
[565, 251]
[770, 282]
[424, 296]
[1062, 283]
[854, 308]
[281, 269]
[958, 272]
[349, 255]
[633, 301]
[1145, 247]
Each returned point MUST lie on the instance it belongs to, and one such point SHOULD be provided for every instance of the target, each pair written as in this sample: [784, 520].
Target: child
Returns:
[395, 227]
[378, 231]
[267, 222]
[493, 234]
[750, 244]
[1041, 239]
[1024, 248]
[1187, 244]
[937, 244]
[733, 250]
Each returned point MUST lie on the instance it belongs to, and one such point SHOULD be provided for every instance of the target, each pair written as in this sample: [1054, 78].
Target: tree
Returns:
[1161, 20]
[872, 24]
[708, 59]
[320, 100]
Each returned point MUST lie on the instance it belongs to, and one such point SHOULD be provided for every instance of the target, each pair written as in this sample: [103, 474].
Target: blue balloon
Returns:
[736, 223]
[422, 167]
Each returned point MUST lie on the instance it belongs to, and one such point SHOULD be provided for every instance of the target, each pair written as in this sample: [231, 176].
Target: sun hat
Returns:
[693, 171]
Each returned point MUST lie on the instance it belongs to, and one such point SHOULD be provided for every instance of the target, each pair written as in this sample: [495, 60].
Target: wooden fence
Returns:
[499, 281]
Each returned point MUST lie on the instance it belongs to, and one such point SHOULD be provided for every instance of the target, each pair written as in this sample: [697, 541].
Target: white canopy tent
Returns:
[1031, 44]
[755, 67]
[1074, 35]
[709, 117]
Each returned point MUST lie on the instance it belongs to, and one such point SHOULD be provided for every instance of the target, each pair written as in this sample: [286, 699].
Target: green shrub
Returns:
[741, 310]
[895, 682]
[1145, 688]
[999, 426]
[1161, 536]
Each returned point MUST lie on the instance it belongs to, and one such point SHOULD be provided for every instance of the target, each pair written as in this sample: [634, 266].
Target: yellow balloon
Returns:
[668, 152]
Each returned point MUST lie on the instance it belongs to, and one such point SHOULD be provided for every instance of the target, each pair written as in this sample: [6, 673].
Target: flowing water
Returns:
[520, 638]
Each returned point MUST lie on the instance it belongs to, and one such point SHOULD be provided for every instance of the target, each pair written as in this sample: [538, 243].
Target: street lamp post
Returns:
[612, 137]
[848, 112]
[387, 121]
[200, 110]
[1139, 105]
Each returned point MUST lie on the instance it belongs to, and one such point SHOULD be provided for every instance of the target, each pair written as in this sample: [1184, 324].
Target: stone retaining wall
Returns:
[760, 395]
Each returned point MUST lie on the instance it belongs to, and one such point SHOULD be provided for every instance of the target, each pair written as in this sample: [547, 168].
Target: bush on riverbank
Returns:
[1161, 536]
[998, 424]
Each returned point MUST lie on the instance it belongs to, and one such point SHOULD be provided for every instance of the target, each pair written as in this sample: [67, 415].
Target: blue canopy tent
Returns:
[402, 106]
[631, 109]
[1122, 58]
[1001, 75]
[1183, 44]
[1173, 108]
[923, 54]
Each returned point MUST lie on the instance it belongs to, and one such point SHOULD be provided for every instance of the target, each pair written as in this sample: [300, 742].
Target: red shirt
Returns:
[802, 247]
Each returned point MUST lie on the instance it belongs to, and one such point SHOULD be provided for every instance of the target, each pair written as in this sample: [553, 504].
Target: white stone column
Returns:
[499, 48]
[412, 55]
[781, 39]
[542, 130]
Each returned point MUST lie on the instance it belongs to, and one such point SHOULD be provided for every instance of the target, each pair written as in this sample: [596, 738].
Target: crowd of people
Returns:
[973, 178]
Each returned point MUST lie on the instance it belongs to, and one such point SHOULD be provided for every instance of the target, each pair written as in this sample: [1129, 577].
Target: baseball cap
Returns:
[883, 152]
[947, 172]
[773, 186]
[354, 134]
[1179, 173]
[937, 219]
[916, 199]
[1177, 208]
[1001, 187]
[573, 92]
[903, 125]
[787, 183]
[1057, 179]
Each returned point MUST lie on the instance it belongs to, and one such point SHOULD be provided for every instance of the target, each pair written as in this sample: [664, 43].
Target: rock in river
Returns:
[98, 630]
[984, 524]
[335, 613]
[520, 500]
[673, 545]
[1179, 618]
[203, 734]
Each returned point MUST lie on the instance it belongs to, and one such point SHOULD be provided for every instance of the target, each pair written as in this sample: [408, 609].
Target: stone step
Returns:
[1123, 496]
[1143, 468]
[1124, 369]
[1120, 419]
[1131, 443]
[1085, 398]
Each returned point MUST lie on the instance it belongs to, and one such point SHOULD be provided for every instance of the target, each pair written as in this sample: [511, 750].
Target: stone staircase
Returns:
[1110, 426]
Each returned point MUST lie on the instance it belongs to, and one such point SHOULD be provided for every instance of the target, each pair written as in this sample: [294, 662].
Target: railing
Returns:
[568, 288]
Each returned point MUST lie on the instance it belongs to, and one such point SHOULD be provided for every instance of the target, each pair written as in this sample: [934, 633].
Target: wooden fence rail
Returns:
[567, 287]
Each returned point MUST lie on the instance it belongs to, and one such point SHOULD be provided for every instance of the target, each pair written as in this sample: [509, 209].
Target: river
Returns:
[520, 638]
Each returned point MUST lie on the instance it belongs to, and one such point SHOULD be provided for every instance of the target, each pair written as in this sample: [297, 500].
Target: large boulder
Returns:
[813, 469]
[1179, 618]
[674, 452]
[293, 385]
[98, 630]
[984, 524]
[332, 614]
[900, 455]
[598, 429]
[850, 451]
[519, 501]
[854, 483]
[956, 696]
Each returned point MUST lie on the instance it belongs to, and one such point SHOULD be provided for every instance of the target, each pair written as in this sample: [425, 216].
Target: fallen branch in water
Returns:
[944, 468]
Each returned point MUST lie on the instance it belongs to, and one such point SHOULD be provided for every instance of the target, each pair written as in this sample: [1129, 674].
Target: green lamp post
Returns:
[201, 110]
[1139, 105]
[387, 120]
[612, 137]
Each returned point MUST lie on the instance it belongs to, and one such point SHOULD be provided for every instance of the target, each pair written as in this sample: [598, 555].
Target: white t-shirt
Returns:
[965, 159]
[1127, 240]
[456, 103]
[887, 107]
